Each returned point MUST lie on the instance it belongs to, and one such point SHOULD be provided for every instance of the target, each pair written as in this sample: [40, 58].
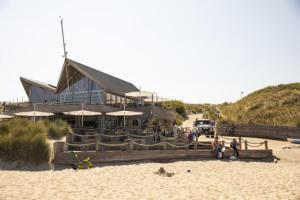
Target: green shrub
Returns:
[58, 129]
[178, 106]
[23, 141]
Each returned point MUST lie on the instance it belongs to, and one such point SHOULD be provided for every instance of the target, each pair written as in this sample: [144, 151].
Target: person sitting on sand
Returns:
[234, 145]
[217, 146]
[215, 143]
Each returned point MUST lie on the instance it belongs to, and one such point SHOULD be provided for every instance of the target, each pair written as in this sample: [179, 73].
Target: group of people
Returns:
[219, 148]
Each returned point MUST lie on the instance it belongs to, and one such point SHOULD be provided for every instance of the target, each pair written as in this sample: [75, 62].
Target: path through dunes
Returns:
[190, 121]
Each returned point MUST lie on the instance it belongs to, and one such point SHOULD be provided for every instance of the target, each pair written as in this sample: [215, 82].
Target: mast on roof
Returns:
[65, 52]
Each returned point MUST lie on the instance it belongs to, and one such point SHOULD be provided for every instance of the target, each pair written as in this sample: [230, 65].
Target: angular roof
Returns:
[28, 82]
[105, 81]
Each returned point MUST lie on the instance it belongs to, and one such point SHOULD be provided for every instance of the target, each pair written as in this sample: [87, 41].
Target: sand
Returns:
[210, 179]
[190, 121]
[207, 180]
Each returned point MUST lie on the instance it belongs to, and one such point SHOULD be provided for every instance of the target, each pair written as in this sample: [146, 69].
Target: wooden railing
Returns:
[138, 142]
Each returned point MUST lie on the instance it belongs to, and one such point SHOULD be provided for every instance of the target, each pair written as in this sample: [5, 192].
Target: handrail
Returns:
[83, 135]
[180, 146]
[113, 145]
[81, 145]
[148, 145]
[141, 136]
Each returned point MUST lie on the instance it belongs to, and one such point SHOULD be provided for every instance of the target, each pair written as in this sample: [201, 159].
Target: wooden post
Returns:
[196, 142]
[165, 144]
[131, 146]
[246, 145]
[223, 143]
[266, 144]
[58, 148]
[97, 142]
[240, 142]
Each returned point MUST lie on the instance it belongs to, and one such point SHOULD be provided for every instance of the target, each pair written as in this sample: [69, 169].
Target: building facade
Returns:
[80, 85]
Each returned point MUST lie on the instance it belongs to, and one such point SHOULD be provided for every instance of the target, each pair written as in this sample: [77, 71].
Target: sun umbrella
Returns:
[124, 113]
[156, 99]
[139, 94]
[5, 116]
[82, 113]
[34, 114]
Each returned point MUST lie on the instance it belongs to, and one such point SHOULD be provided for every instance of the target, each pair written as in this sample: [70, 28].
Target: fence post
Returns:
[97, 142]
[240, 142]
[131, 146]
[246, 145]
[58, 148]
[266, 144]
[196, 143]
[165, 144]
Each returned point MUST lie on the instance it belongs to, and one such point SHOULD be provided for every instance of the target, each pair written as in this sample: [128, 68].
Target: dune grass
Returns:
[273, 105]
[22, 140]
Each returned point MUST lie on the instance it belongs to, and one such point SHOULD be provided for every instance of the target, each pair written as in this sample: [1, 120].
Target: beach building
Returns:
[80, 86]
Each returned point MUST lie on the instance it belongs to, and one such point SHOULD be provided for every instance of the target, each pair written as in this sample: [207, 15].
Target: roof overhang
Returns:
[28, 82]
[71, 68]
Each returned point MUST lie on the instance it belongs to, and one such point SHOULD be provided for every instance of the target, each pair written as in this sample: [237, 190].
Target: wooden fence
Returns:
[259, 131]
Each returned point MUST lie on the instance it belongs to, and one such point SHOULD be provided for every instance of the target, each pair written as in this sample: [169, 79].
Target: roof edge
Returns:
[45, 86]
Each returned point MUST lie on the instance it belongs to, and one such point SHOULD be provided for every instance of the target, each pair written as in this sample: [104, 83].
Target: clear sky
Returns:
[192, 50]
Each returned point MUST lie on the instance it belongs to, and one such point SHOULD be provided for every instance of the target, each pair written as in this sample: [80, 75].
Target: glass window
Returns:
[40, 95]
[83, 90]
[113, 99]
[108, 98]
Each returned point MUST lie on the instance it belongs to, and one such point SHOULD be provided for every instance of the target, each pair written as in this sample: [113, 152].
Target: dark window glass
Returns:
[39, 95]
[83, 90]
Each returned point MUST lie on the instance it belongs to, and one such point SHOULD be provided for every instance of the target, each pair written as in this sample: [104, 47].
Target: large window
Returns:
[39, 95]
[82, 90]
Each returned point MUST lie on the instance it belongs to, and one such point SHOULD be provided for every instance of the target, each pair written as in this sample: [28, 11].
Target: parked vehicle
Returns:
[205, 126]
[294, 140]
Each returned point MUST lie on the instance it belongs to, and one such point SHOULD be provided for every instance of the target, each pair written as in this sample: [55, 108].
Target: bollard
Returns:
[240, 142]
[246, 145]
[266, 144]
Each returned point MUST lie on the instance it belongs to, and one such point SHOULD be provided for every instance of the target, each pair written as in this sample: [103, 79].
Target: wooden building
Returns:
[80, 85]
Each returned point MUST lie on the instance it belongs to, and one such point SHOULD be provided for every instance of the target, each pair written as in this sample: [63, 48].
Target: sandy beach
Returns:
[207, 179]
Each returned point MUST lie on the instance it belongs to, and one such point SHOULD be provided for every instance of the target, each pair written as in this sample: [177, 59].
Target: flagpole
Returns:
[65, 52]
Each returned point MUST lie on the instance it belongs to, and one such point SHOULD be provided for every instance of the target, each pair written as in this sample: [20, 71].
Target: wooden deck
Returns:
[153, 155]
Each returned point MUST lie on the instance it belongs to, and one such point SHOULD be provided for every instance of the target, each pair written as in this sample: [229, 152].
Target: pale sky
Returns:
[192, 50]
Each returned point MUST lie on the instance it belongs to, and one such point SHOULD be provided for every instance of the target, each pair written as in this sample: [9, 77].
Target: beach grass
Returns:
[23, 140]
